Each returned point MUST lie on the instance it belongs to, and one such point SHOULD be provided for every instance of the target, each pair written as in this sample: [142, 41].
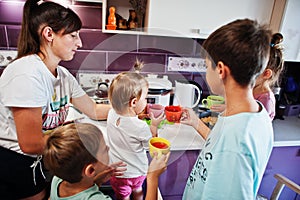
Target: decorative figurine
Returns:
[133, 20]
[111, 25]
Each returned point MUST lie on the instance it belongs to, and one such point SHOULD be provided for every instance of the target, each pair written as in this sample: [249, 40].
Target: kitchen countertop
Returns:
[184, 137]
[287, 131]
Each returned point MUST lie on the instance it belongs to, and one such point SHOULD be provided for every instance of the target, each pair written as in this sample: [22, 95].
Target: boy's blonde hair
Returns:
[70, 148]
[125, 87]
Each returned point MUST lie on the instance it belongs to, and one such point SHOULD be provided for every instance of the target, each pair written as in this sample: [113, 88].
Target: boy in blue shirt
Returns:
[233, 159]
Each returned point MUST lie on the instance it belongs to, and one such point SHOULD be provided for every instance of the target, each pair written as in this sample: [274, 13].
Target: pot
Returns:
[102, 90]
[187, 93]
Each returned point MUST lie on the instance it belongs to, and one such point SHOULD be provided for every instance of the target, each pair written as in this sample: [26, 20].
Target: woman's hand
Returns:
[218, 107]
[115, 169]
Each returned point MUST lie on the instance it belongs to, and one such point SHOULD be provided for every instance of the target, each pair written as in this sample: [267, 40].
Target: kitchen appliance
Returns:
[187, 93]
[7, 56]
[159, 90]
[96, 85]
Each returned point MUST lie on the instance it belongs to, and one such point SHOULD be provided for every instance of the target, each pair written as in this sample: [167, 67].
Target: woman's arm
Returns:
[29, 129]
[94, 111]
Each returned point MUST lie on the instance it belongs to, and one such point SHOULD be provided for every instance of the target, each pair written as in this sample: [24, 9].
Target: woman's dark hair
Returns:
[38, 15]
[243, 45]
[276, 61]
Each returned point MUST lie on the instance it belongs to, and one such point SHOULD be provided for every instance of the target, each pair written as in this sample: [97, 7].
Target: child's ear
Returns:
[133, 102]
[89, 170]
[267, 73]
[223, 70]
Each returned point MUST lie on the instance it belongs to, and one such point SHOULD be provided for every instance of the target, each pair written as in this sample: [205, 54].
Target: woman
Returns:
[35, 96]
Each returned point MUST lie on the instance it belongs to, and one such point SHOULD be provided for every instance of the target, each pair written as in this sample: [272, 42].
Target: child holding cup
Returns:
[233, 159]
[128, 136]
[78, 157]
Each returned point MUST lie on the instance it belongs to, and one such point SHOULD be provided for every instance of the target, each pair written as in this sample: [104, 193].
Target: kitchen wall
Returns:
[105, 52]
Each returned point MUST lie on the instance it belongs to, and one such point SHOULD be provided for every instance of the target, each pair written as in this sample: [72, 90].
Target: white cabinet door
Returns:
[198, 18]
[290, 30]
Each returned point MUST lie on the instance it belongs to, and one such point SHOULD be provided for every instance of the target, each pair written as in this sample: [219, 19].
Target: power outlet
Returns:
[91, 79]
[186, 64]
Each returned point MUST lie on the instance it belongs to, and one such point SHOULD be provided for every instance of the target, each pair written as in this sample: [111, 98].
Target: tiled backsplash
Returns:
[104, 52]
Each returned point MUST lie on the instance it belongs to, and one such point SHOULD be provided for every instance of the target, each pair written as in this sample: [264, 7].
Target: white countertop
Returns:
[184, 137]
[287, 131]
[181, 137]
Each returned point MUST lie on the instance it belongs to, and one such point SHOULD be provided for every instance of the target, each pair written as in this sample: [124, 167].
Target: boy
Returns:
[233, 159]
[78, 157]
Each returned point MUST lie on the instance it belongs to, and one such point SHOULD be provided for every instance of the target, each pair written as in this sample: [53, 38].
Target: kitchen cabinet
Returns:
[198, 18]
[284, 160]
[192, 18]
[290, 30]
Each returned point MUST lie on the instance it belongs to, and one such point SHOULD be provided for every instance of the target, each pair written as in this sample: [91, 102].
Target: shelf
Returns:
[93, 1]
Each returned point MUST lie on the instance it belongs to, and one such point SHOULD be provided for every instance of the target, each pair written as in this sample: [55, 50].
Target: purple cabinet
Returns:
[173, 180]
[285, 161]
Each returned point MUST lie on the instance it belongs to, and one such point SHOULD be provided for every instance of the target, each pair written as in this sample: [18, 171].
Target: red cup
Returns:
[156, 109]
[173, 113]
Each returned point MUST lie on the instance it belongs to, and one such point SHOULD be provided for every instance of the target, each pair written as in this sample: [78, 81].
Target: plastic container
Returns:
[292, 110]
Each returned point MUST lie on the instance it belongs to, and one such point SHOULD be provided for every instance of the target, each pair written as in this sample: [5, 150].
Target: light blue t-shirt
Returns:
[233, 159]
[92, 193]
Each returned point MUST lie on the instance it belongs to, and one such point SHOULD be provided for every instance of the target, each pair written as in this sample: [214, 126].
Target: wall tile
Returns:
[11, 12]
[125, 62]
[172, 45]
[3, 42]
[13, 34]
[86, 60]
[92, 39]
[91, 16]
[199, 48]
[96, 40]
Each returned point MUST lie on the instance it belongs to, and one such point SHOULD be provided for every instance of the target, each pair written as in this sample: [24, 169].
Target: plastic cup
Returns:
[159, 145]
[173, 113]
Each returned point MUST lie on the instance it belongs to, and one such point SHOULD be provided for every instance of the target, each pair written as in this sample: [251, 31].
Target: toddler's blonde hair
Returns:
[125, 87]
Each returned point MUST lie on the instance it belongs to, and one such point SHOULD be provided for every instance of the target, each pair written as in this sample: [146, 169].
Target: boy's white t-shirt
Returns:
[27, 82]
[128, 142]
[233, 159]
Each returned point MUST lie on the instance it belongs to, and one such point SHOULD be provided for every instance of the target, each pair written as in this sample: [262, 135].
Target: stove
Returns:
[92, 82]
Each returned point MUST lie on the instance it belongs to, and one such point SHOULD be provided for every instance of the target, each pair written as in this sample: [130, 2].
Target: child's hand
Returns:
[189, 117]
[115, 169]
[158, 165]
[218, 107]
[155, 121]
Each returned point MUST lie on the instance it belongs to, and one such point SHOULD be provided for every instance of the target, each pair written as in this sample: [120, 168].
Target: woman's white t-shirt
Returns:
[27, 82]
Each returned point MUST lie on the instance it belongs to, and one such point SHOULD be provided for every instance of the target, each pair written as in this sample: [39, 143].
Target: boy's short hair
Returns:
[71, 147]
[125, 87]
[243, 45]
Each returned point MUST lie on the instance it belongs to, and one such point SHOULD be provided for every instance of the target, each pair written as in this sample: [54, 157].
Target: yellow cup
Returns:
[159, 145]
[212, 99]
